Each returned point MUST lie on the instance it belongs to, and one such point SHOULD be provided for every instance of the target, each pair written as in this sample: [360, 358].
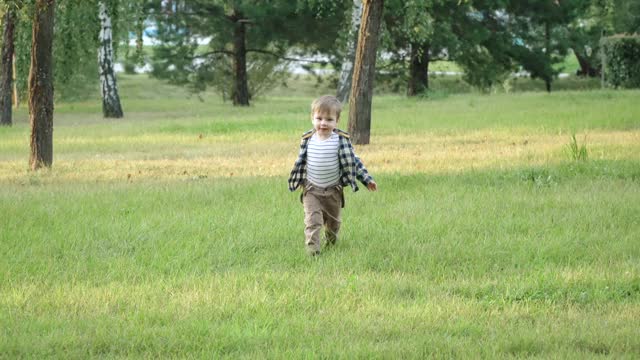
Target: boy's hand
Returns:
[372, 186]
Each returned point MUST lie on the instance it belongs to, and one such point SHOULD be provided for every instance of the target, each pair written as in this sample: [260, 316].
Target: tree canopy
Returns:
[242, 47]
[236, 46]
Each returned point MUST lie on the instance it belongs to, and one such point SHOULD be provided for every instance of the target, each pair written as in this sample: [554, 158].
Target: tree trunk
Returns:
[6, 70]
[111, 107]
[418, 69]
[585, 67]
[547, 38]
[240, 92]
[346, 71]
[364, 72]
[41, 85]
[16, 100]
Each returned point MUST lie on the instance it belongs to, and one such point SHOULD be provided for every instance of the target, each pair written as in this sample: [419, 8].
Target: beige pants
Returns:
[322, 206]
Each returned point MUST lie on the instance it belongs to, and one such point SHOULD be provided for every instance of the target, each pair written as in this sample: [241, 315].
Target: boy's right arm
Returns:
[295, 177]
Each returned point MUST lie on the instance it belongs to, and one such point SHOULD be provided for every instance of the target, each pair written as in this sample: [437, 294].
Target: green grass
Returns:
[171, 233]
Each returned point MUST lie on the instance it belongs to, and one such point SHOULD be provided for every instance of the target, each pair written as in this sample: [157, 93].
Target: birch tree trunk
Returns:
[6, 68]
[364, 72]
[111, 107]
[41, 85]
[346, 71]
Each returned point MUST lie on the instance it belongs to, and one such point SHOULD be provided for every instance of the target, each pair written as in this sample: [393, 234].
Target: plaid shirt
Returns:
[351, 168]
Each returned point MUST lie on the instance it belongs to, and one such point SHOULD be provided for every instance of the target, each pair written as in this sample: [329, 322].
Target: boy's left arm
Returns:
[363, 175]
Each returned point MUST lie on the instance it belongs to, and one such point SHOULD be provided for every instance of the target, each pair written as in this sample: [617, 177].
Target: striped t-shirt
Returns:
[323, 167]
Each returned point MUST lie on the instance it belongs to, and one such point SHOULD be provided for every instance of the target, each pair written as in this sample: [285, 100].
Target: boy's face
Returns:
[324, 121]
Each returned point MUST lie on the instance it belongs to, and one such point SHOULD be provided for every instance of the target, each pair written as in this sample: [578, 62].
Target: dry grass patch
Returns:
[180, 157]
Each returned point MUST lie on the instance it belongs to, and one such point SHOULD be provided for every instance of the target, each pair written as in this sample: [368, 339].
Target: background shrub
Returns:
[621, 55]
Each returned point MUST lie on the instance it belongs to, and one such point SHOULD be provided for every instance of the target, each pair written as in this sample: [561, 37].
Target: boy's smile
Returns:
[324, 123]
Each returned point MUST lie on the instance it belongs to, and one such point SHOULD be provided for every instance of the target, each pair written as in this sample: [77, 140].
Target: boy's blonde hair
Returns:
[326, 103]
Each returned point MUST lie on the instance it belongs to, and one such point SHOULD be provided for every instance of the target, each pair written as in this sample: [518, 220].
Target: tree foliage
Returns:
[200, 45]
[489, 39]
[601, 18]
[76, 32]
[76, 43]
[470, 33]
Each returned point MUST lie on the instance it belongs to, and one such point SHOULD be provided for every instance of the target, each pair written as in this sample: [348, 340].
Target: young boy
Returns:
[326, 163]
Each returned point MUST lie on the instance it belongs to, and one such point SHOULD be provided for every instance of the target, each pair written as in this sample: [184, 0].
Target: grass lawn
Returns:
[171, 232]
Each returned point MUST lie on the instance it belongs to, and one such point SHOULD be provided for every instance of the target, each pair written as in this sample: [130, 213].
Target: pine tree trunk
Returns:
[41, 86]
[346, 71]
[111, 107]
[364, 72]
[240, 92]
[418, 70]
[6, 70]
[547, 38]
